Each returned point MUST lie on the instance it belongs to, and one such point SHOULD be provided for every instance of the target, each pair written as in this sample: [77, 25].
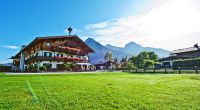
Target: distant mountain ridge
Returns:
[128, 50]
[100, 51]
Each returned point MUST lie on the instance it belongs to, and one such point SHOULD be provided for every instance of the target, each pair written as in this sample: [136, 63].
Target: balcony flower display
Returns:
[83, 61]
[67, 58]
[71, 49]
[72, 59]
[58, 58]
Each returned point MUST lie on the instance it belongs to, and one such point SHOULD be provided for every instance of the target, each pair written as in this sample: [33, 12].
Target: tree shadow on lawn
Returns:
[161, 73]
[195, 77]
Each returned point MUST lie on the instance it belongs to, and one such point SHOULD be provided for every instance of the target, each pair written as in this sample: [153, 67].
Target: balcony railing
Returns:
[63, 59]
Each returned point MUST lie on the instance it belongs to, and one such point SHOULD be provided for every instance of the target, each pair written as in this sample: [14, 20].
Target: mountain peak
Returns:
[130, 44]
[108, 45]
[90, 39]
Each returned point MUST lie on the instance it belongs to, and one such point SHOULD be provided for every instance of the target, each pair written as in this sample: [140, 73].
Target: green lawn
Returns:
[100, 91]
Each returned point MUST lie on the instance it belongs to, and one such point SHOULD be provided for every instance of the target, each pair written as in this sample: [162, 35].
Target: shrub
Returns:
[69, 66]
[33, 68]
[42, 68]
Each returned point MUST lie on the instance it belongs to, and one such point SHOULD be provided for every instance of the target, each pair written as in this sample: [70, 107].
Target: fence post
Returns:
[196, 69]
[144, 70]
[154, 70]
[179, 70]
[165, 70]
[136, 70]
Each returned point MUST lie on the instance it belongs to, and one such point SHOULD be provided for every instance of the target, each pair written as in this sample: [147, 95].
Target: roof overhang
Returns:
[71, 37]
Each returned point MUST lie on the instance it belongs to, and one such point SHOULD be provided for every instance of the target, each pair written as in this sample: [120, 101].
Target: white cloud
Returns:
[10, 46]
[97, 25]
[172, 24]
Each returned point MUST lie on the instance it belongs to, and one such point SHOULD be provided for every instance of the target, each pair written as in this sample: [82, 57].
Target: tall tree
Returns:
[116, 60]
[144, 59]
[153, 56]
[129, 66]
[108, 56]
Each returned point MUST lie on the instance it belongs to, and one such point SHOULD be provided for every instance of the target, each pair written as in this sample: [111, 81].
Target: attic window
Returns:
[59, 46]
[48, 44]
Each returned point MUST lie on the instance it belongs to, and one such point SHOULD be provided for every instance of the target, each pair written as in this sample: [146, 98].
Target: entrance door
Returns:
[85, 67]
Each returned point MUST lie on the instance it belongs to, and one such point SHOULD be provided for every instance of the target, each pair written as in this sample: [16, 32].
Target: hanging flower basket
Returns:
[83, 61]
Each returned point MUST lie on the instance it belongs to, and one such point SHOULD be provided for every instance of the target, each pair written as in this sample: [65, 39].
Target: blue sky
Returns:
[152, 23]
[23, 20]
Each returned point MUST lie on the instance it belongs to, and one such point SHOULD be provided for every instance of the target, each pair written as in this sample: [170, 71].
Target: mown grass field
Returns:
[100, 91]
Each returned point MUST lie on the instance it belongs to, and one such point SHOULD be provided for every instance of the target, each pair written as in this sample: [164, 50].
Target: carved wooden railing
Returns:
[63, 59]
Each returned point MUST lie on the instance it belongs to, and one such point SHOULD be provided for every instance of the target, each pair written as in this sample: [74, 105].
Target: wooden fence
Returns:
[5, 68]
[166, 70]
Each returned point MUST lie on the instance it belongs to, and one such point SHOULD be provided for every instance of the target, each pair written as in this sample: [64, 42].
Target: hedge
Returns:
[186, 63]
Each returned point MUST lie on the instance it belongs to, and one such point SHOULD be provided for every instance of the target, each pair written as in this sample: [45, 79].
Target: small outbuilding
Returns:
[105, 65]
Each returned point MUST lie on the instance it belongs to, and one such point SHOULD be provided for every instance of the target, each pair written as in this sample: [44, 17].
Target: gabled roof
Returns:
[105, 63]
[190, 49]
[71, 37]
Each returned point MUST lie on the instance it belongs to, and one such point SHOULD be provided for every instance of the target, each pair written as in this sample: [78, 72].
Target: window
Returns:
[47, 54]
[59, 55]
[50, 54]
[48, 44]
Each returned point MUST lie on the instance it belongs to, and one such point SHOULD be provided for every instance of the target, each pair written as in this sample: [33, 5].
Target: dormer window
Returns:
[48, 44]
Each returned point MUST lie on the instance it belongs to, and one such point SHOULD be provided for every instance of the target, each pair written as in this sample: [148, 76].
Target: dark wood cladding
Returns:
[54, 46]
[189, 54]
[16, 62]
[66, 51]
[72, 41]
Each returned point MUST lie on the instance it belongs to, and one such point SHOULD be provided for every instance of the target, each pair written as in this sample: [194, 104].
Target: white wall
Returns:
[21, 64]
[54, 63]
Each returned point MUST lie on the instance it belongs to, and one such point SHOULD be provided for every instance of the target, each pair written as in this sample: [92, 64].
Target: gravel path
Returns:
[91, 72]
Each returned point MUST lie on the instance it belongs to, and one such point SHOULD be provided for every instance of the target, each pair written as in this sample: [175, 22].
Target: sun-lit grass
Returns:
[100, 91]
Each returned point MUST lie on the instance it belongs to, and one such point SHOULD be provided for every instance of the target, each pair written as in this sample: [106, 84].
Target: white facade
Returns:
[41, 53]
[53, 63]
[21, 64]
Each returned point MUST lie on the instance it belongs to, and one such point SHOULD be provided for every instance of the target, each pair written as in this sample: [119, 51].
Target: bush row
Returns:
[186, 63]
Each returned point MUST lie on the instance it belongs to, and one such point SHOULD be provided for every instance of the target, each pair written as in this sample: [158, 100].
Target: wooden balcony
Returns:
[68, 50]
[63, 59]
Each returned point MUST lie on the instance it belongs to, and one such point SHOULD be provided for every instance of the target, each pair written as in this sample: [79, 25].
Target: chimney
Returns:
[196, 46]
[23, 46]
